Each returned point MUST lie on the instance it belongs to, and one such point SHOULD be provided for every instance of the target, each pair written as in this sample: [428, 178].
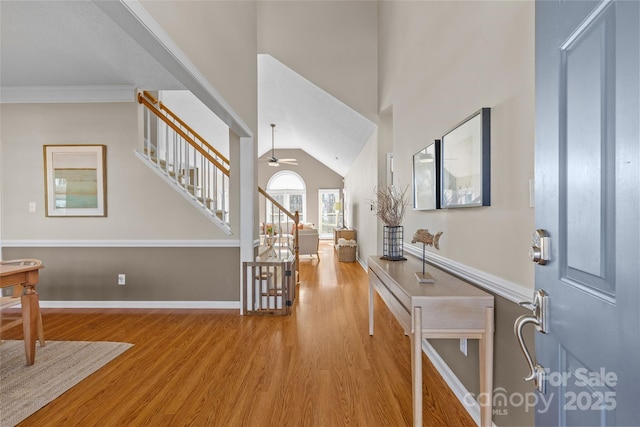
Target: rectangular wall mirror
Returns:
[425, 178]
[465, 159]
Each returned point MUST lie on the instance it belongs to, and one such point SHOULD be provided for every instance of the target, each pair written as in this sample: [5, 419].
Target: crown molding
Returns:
[67, 94]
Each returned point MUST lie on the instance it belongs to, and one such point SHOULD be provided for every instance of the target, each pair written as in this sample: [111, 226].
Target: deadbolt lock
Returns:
[539, 251]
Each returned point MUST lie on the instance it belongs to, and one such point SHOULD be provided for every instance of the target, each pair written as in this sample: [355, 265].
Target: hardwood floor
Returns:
[317, 367]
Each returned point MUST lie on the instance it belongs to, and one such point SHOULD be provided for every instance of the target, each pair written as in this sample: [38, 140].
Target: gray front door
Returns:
[587, 199]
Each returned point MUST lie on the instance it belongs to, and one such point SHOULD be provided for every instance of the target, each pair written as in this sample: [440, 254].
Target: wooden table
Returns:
[20, 273]
[448, 308]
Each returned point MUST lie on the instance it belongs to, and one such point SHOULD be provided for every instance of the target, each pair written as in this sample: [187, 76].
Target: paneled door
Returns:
[587, 200]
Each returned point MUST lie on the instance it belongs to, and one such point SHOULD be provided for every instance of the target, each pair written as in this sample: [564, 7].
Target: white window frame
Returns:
[286, 193]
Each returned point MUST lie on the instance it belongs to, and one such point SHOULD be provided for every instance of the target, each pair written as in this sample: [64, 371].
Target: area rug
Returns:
[59, 366]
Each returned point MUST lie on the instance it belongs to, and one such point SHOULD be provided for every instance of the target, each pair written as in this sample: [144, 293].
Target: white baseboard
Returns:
[232, 305]
[461, 392]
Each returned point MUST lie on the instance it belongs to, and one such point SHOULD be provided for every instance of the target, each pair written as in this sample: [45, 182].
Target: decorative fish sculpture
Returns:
[422, 235]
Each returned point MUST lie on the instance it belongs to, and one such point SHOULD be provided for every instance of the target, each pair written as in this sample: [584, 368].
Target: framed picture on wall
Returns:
[465, 161]
[75, 180]
[426, 178]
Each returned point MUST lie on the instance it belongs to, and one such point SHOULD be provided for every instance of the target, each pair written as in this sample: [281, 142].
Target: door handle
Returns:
[539, 319]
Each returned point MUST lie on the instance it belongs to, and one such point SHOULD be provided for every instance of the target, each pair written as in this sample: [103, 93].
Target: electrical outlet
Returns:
[121, 279]
[463, 346]
[32, 207]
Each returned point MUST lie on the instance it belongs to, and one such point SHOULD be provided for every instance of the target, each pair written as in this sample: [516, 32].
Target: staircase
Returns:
[200, 173]
[269, 282]
[186, 161]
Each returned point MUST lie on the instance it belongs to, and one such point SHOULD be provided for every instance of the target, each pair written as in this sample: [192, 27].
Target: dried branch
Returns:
[390, 205]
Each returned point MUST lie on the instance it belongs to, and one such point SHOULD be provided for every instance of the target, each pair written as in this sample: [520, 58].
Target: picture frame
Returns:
[465, 162]
[426, 188]
[75, 180]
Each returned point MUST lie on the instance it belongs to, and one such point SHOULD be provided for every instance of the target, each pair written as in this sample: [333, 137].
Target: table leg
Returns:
[370, 308]
[30, 314]
[486, 370]
[416, 366]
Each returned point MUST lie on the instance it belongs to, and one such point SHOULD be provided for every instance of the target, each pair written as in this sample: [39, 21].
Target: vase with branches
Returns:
[390, 206]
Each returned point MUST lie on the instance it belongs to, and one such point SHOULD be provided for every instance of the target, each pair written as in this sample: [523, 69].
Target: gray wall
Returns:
[220, 39]
[81, 263]
[439, 63]
[140, 204]
[152, 274]
[333, 44]
[315, 174]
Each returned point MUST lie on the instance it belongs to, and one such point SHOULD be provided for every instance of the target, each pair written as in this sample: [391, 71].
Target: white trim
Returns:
[209, 214]
[234, 305]
[461, 392]
[120, 243]
[509, 290]
[67, 94]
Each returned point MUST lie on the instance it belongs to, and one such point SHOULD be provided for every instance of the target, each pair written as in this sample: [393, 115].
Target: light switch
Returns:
[532, 193]
[32, 207]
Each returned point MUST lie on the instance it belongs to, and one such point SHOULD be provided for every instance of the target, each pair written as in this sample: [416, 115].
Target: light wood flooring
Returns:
[317, 367]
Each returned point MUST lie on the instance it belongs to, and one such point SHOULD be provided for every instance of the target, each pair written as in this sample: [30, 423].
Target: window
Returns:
[288, 189]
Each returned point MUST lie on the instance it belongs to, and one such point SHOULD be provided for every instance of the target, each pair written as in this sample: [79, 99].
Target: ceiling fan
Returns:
[273, 161]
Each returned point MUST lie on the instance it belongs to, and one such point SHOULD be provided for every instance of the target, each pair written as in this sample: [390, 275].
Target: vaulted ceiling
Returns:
[74, 44]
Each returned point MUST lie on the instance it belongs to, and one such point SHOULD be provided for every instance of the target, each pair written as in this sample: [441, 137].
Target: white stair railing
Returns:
[186, 160]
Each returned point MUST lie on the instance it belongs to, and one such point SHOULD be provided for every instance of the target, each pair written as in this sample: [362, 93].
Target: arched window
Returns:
[288, 189]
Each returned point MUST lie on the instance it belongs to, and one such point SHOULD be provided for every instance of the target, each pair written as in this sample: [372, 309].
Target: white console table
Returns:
[448, 308]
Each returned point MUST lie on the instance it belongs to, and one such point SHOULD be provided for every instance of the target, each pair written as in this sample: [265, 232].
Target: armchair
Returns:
[308, 242]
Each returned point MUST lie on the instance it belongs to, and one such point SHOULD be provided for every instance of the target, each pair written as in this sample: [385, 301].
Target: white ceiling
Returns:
[71, 43]
[75, 44]
[307, 117]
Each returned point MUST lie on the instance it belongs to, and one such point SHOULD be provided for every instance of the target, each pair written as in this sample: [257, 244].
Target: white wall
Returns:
[440, 62]
[358, 196]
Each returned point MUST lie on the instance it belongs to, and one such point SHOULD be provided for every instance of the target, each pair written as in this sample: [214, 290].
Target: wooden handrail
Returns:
[296, 220]
[202, 140]
[196, 146]
[279, 206]
[175, 117]
[150, 97]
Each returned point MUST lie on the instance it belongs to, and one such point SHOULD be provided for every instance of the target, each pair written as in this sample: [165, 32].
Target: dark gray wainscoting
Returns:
[152, 273]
